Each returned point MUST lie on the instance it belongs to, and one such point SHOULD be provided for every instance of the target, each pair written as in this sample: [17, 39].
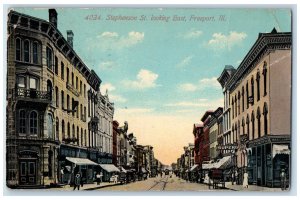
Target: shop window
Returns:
[33, 123]
[26, 51]
[50, 158]
[22, 122]
[18, 49]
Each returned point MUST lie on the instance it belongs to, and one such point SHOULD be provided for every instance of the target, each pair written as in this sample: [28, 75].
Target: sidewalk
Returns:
[91, 186]
[252, 188]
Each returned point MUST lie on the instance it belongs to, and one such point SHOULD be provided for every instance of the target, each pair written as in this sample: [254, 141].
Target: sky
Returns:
[160, 65]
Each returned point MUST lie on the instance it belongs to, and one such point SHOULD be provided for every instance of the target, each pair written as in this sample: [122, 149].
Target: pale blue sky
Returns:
[158, 68]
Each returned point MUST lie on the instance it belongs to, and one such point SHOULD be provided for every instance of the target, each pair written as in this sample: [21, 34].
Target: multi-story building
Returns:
[122, 145]
[115, 142]
[204, 141]
[197, 131]
[104, 136]
[213, 133]
[47, 88]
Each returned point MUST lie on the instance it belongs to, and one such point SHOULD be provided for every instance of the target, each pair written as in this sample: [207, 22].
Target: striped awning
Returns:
[280, 149]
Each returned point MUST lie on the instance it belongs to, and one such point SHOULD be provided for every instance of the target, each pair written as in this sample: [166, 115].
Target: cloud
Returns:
[192, 34]
[189, 87]
[201, 85]
[135, 110]
[221, 41]
[200, 103]
[145, 79]
[107, 65]
[112, 40]
[117, 98]
[107, 86]
[185, 62]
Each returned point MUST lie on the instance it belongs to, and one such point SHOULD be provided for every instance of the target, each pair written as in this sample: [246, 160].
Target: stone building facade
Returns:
[47, 88]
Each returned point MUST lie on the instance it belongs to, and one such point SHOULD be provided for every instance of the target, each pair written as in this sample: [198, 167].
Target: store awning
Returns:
[194, 167]
[123, 170]
[109, 167]
[81, 161]
[280, 149]
[223, 163]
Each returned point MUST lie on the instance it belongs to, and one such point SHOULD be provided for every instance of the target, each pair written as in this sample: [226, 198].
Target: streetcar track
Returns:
[164, 182]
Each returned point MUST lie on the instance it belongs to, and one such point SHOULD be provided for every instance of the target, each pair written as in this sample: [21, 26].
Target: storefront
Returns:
[267, 157]
[108, 171]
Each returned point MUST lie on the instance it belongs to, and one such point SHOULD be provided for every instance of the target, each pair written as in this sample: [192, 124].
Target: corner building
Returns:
[47, 87]
[260, 105]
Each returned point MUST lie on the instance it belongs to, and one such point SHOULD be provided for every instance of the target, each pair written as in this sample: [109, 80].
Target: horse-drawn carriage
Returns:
[216, 178]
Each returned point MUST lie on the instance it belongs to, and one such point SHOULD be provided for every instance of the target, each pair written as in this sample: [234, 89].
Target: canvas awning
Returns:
[81, 161]
[280, 149]
[194, 167]
[109, 167]
[223, 163]
[123, 170]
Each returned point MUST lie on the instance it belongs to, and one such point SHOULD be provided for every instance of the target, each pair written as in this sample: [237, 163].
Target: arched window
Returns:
[50, 126]
[232, 105]
[265, 112]
[56, 96]
[49, 58]
[239, 102]
[235, 102]
[248, 129]
[243, 126]
[252, 89]
[265, 78]
[33, 123]
[69, 135]
[26, 51]
[258, 85]
[63, 128]
[73, 131]
[258, 122]
[243, 99]
[35, 53]
[49, 88]
[57, 128]
[22, 122]
[253, 124]
[247, 92]
[18, 49]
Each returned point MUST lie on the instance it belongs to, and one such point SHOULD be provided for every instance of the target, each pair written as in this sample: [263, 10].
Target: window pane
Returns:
[35, 53]
[32, 83]
[31, 168]
[18, 49]
[21, 82]
[23, 169]
[26, 51]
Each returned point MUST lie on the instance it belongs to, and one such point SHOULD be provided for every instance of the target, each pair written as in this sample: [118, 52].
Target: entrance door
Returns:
[27, 172]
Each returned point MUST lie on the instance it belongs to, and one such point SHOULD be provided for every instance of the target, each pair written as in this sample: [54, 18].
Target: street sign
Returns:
[227, 147]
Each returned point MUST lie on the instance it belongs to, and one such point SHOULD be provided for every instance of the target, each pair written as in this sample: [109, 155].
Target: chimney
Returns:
[70, 36]
[53, 17]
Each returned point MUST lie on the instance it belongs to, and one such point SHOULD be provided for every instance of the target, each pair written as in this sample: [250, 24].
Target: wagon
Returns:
[216, 175]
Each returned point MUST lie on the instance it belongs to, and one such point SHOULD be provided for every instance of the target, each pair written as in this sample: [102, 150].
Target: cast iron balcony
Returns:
[33, 95]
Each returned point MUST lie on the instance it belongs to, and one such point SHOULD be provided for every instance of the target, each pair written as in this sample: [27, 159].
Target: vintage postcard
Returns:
[148, 99]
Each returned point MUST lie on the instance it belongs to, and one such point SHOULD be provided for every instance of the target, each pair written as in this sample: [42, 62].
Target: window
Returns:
[73, 113]
[50, 126]
[56, 66]
[76, 83]
[49, 58]
[84, 113]
[243, 125]
[77, 135]
[232, 105]
[73, 131]
[33, 122]
[239, 102]
[62, 99]
[247, 122]
[243, 99]
[247, 92]
[265, 118]
[22, 122]
[85, 138]
[56, 96]
[68, 102]
[84, 90]
[81, 112]
[62, 71]
[252, 89]
[265, 78]
[49, 88]
[21, 82]
[258, 85]
[80, 87]
[26, 51]
[235, 103]
[253, 124]
[33, 83]
[67, 75]
[35, 52]
[258, 122]
[69, 136]
[63, 128]
[18, 49]
[81, 137]
[57, 128]
[72, 79]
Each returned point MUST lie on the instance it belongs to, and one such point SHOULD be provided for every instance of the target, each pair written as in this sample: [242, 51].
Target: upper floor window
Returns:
[21, 81]
[18, 49]
[56, 66]
[62, 71]
[247, 94]
[80, 89]
[84, 90]
[72, 79]
[62, 99]
[22, 122]
[258, 85]
[49, 57]
[35, 53]
[32, 83]
[26, 51]
[56, 96]
[33, 122]
[50, 126]
[265, 78]
[68, 75]
[252, 88]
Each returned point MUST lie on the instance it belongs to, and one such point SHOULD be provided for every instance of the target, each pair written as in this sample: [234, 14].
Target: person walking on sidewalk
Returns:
[283, 179]
[98, 178]
[77, 181]
[245, 181]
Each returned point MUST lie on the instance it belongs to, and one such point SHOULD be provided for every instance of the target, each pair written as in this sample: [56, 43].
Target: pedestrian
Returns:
[116, 179]
[98, 177]
[237, 182]
[283, 179]
[245, 181]
[77, 181]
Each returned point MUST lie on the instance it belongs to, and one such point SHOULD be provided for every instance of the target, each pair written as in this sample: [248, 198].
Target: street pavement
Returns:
[165, 183]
